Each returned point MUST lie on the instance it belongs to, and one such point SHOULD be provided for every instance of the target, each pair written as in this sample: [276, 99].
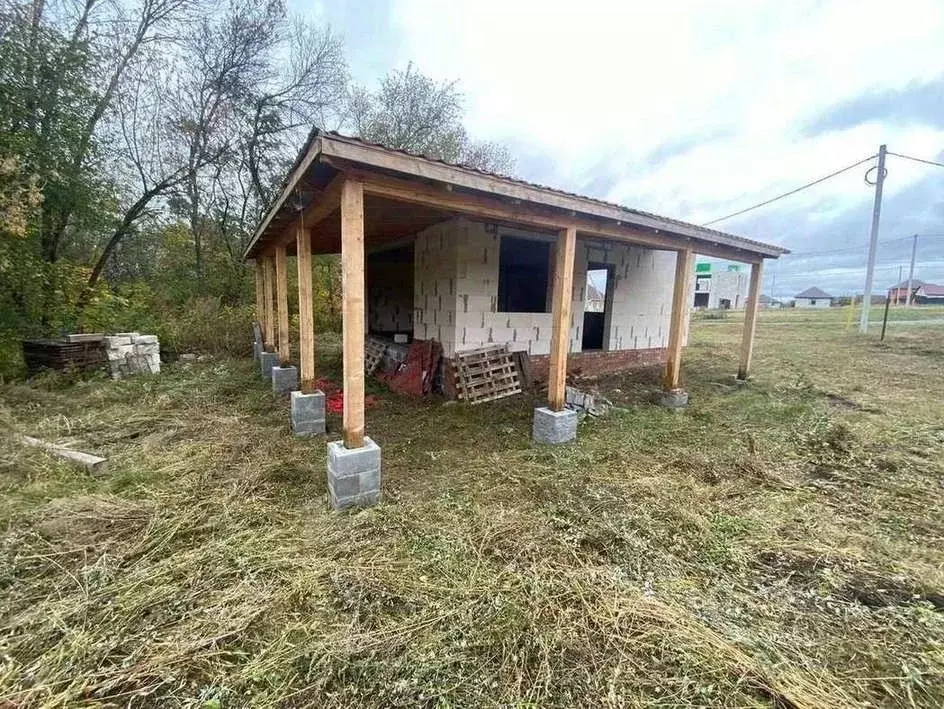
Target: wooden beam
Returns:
[750, 319]
[306, 320]
[680, 303]
[352, 287]
[352, 152]
[320, 207]
[260, 295]
[490, 208]
[281, 284]
[561, 306]
[269, 265]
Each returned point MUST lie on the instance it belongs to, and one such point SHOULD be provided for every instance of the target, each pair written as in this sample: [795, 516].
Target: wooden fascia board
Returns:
[427, 169]
[323, 204]
[483, 207]
[313, 151]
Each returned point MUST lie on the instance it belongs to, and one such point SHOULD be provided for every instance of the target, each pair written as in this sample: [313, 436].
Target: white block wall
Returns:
[729, 285]
[434, 286]
[456, 292]
[389, 296]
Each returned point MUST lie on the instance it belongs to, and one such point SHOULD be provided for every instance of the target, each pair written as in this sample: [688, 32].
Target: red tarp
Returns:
[334, 397]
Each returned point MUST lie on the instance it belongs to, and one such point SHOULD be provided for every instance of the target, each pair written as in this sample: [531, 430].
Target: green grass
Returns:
[774, 545]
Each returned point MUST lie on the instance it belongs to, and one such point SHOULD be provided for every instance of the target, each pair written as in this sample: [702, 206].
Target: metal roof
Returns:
[613, 210]
[813, 292]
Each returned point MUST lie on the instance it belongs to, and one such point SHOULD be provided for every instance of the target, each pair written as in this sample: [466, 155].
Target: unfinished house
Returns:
[719, 286]
[439, 252]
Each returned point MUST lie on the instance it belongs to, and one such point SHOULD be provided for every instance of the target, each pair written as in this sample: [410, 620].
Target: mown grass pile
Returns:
[774, 545]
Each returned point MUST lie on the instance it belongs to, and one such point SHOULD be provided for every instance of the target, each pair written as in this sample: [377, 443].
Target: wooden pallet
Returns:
[486, 374]
[374, 350]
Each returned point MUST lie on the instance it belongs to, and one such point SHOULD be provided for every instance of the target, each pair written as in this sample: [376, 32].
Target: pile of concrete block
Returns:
[132, 353]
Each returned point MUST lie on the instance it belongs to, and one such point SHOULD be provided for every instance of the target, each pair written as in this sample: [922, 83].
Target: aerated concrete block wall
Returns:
[728, 285]
[456, 292]
[434, 285]
[643, 280]
[389, 296]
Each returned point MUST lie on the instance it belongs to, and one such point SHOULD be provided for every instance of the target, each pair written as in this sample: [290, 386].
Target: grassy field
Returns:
[773, 545]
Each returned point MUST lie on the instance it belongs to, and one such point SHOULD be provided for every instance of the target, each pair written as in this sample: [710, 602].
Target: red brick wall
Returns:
[593, 363]
[578, 363]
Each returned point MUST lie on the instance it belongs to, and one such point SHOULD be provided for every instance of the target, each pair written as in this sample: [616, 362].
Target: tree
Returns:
[413, 112]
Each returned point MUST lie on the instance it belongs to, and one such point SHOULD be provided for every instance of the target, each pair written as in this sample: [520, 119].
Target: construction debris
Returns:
[486, 374]
[414, 375]
[373, 352]
[132, 353]
[586, 402]
[92, 463]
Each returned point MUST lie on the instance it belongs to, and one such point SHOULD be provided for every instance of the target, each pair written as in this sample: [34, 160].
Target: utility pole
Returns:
[873, 241]
[897, 286]
[914, 250]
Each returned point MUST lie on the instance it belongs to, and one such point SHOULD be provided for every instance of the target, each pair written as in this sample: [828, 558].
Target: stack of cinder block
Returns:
[132, 353]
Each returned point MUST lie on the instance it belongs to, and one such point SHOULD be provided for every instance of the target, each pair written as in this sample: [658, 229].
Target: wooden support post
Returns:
[260, 295]
[680, 303]
[306, 320]
[750, 319]
[269, 284]
[352, 291]
[281, 287]
[561, 306]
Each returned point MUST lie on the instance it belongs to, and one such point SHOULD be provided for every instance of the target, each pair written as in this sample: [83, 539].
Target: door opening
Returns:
[597, 304]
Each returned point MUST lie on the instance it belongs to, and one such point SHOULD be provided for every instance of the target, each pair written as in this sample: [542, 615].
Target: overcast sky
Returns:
[694, 110]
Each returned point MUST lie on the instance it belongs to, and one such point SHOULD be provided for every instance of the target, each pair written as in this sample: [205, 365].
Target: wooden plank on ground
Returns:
[92, 463]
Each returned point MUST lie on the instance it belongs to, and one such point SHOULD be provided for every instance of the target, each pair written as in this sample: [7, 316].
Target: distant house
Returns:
[767, 301]
[813, 298]
[898, 293]
[928, 294]
[595, 302]
[720, 286]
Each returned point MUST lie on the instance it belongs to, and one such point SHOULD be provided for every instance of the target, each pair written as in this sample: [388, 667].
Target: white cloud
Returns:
[598, 86]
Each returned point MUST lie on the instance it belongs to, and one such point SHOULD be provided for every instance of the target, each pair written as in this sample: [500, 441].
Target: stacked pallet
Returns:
[486, 374]
[75, 353]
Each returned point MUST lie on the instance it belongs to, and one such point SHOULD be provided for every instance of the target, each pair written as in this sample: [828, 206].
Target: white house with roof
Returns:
[813, 298]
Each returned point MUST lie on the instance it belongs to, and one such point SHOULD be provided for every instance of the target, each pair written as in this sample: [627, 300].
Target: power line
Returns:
[859, 247]
[791, 192]
[911, 157]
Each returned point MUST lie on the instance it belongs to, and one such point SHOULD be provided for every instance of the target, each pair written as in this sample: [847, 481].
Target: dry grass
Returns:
[778, 545]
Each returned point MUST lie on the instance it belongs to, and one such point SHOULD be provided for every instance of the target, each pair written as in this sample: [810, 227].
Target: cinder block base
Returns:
[268, 360]
[674, 399]
[353, 475]
[308, 413]
[256, 350]
[284, 379]
[554, 426]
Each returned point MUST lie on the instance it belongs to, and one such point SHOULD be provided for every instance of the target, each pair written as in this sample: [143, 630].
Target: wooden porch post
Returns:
[306, 321]
[750, 319]
[260, 295]
[561, 306]
[680, 304]
[352, 288]
[281, 284]
[269, 335]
